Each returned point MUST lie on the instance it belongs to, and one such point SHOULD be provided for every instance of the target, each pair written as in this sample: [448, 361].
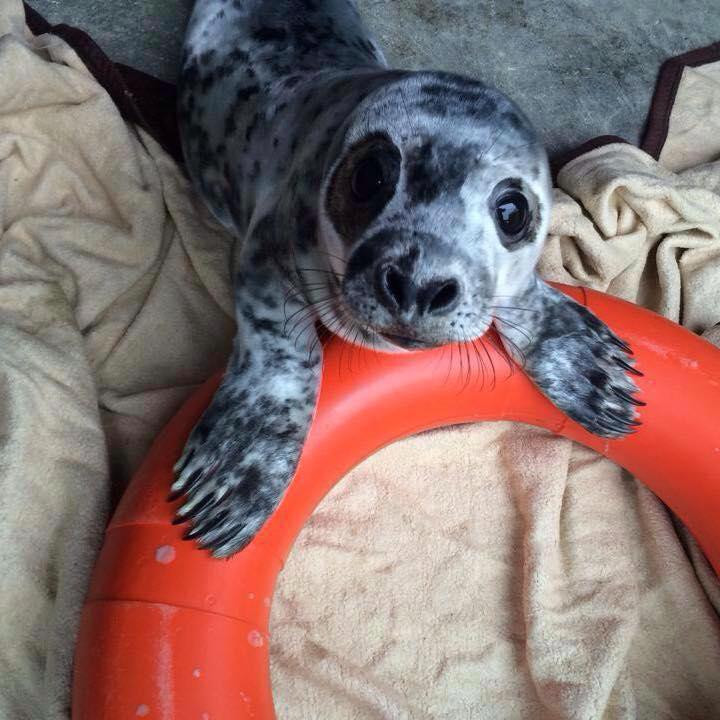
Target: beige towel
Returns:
[114, 292]
[490, 571]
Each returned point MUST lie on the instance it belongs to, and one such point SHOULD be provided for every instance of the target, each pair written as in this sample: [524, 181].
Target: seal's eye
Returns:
[512, 213]
[367, 179]
[363, 184]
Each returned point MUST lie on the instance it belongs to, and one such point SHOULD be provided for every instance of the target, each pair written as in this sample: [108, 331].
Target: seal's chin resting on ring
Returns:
[362, 314]
[401, 338]
[408, 343]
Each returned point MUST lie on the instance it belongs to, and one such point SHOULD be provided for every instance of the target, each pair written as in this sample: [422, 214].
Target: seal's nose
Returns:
[402, 295]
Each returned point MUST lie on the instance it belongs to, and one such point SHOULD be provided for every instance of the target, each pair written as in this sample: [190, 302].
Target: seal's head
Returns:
[433, 211]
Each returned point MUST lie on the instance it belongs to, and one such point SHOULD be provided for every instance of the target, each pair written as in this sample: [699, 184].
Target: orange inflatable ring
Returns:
[168, 633]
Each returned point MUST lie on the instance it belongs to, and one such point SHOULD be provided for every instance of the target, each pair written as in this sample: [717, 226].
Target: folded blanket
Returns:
[485, 571]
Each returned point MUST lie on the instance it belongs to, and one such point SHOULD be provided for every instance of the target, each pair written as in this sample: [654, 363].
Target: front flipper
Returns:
[242, 454]
[573, 357]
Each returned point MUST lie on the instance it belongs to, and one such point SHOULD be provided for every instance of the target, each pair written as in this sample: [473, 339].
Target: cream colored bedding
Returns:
[490, 571]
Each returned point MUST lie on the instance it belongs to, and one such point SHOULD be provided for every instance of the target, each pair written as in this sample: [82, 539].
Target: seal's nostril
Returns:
[399, 293]
[396, 288]
[396, 285]
[440, 296]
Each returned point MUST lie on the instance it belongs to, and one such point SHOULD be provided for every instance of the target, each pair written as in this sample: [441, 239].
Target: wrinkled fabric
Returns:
[114, 303]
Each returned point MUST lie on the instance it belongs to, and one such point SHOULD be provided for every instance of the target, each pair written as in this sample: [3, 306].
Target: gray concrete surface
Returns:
[579, 68]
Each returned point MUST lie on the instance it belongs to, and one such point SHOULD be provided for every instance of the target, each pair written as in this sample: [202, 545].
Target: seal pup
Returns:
[397, 209]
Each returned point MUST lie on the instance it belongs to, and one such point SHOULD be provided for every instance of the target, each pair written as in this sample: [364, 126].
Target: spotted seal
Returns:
[397, 209]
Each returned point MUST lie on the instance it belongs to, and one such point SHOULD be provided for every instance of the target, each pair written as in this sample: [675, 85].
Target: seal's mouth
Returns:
[406, 343]
[342, 318]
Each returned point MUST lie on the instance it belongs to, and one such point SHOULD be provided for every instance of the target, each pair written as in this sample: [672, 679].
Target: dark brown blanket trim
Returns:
[150, 103]
[668, 82]
[657, 124]
[157, 101]
[559, 161]
[141, 99]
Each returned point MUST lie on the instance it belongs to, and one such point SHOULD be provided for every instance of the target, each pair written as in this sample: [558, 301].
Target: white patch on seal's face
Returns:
[511, 266]
[429, 265]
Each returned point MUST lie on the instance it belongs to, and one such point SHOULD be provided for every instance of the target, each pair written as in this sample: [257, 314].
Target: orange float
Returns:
[169, 633]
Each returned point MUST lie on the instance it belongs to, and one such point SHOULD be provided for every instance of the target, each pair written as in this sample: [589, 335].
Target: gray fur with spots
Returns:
[366, 202]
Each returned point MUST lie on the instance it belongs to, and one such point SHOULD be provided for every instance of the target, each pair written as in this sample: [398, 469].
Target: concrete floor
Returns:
[579, 68]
